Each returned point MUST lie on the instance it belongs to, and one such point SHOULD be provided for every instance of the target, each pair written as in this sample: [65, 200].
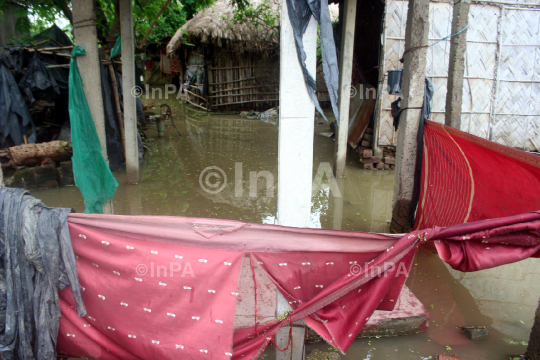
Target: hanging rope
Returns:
[438, 41]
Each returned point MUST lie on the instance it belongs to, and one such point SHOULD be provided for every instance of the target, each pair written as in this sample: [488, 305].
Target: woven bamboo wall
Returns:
[502, 72]
[242, 82]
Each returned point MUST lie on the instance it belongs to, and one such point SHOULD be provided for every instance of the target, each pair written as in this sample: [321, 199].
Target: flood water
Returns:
[503, 299]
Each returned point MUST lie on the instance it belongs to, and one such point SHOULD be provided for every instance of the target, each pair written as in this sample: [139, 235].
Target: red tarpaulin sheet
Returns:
[334, 280]
[466, 178]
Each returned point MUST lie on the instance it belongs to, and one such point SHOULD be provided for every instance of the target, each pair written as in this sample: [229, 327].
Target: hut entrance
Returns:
[196, 88]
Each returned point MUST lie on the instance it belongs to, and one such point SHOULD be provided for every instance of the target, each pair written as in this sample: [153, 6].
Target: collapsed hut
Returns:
[228, 65]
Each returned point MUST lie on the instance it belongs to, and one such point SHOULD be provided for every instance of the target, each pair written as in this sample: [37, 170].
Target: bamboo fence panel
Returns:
[502, 70]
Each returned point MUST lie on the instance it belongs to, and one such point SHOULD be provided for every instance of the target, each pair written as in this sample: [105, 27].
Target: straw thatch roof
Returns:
[214, 26]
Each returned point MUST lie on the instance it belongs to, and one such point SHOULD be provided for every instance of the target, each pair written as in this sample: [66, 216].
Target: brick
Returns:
[367, 153]
[389, 160]
[65, 174]
[475, 333]
[371, 160]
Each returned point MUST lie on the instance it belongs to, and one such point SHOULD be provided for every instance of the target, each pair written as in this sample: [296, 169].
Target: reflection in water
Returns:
[504, 299]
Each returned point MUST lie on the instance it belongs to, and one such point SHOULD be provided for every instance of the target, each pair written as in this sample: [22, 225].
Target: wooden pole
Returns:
[346, 54]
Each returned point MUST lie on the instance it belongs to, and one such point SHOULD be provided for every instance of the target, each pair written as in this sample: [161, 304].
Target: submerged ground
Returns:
[503, 299]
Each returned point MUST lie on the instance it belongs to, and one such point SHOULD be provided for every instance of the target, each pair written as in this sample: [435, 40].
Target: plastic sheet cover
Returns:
[36, 261]
[300, 13]
[15, 120]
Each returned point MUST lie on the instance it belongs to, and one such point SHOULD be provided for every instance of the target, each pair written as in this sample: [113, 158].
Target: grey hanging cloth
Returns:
[300, 12]
[36, 260]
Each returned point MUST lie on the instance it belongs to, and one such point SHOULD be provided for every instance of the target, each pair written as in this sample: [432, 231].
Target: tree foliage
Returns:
[263, 16]
[42, 14]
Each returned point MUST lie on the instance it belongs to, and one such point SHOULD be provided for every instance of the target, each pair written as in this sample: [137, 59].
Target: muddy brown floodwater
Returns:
[503, 299]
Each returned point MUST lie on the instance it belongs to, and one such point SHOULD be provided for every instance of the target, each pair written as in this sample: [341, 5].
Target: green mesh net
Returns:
[92, 174]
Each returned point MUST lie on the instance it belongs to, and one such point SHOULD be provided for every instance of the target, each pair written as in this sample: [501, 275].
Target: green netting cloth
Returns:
[117, 47]
[92, 174]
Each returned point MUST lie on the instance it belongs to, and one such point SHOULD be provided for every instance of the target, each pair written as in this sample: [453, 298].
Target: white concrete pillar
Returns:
[128, 84]
[414, 74]
[346, 54]
[295, 153]
[85, 32]
[296, 127]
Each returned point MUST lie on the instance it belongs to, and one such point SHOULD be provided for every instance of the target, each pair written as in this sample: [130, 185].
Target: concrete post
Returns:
[533, 349]
[344, 99]
[414, 72]
[296, 127]
[456, 68]
[128, 86]
[295, 153]
[84, 18]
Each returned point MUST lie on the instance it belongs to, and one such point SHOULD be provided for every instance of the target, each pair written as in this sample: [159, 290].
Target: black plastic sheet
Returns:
[429, 90]
[15, 120]
[37, 259]
[300, 12]
[38, 83]
[115, 150]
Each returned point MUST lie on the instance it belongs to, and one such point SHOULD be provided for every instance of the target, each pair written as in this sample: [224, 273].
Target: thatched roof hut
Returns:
[214, 26]
[230, 65]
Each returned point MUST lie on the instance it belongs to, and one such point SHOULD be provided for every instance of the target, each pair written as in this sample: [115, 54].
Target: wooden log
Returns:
[34, 154]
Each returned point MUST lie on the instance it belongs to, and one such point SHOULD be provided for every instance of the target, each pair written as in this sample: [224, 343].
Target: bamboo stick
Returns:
[118, 109]
[246, 102]
[199, 96]
[242, 94]
[199, 106]
[230, 82]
